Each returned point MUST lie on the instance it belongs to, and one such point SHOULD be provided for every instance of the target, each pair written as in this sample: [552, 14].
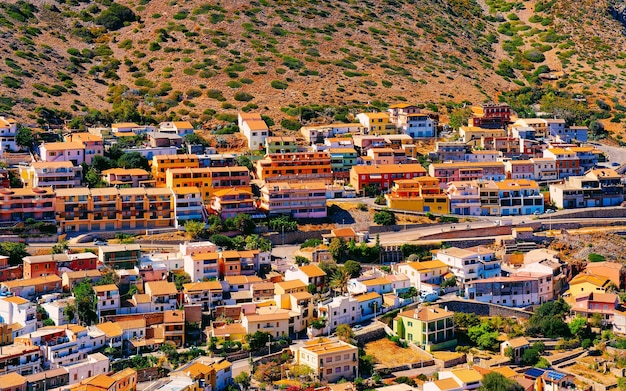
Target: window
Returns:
[346, 368]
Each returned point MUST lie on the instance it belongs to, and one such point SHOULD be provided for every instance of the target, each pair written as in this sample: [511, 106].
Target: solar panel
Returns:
[552, 375]
[534, 372]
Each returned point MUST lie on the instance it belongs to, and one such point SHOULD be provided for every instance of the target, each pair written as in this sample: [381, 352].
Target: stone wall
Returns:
[297, 237]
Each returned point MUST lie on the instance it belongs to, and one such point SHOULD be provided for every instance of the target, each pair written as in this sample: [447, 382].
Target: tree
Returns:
[133, 160]
[93, 178]
[194, 228]
[15, 252]
[243, 379]
[60, 247]
[245, 161]
[339, 281]
[328, 267]
[258, 340]
[243, 222]
[256, 242]
[179, 279]
[48, 322]
[459, 117]
[283, 224]
[579, 327]
[70, 312]
[496, 382]
[85, 303]
[530, 356]
[353, 268]
[344, 332]
[101, 163]
[300, 371]
[385, 217]
[549, 320]
[24, 138]
[484, 336]
[194, 138]
[337, 249]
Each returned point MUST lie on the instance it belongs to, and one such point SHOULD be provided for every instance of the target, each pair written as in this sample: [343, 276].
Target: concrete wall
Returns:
[484, 309]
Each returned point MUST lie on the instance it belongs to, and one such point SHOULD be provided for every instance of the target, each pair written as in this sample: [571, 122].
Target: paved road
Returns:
[614, 154]
[241, 366]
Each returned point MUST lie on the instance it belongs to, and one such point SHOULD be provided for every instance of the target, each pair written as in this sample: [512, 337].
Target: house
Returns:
[519, 197]
[238, 283]
[464, 198]
[20, 359]
[20, 311]
[467, 171]
[8, 130]
[205, 293]
[289, 287]
[519, 169]
[94, 146]
[567, 162]
[47, 380]
[262, 291]
[163, 295]
[594, 303]
[361, 285]
[382, 177]
[412, 122]
[544, 169]
[308, 274]
[107, 300]
[330, 359]
[58, 175]
[202, 265]
[421, 194]
[471, 263]
[12, 382]
[179, 128]
[188, 205]
[42, 265]
[586, 283]
[517, 346]
[254, 128]
[472, 135]
[66, 151]
[376, 123]
[56, 310]
[296, 167]
[431, 328]
[133, 177]
[317, 133]
[33, 287]
[599, 187]
[429, 272]
[340, 310]
[510, 291]
[490, 115]
[272, 320]
[217, 160]
[121, 129]
[342, 159]
[614, 271]
[9, 272]
[124, 256]
[295, 199]
[161, 139]
[96, 363]
[346, 234]
[370, 304]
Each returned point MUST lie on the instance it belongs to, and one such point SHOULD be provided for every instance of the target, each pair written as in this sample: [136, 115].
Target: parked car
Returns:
[100, 242]
[615, 164]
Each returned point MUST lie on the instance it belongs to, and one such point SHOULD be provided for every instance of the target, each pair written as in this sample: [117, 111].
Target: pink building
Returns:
[231, 202]
[94, 146]
[593, 303]
[519, 169]
[466, 171]
[299, 200]
[68, 151]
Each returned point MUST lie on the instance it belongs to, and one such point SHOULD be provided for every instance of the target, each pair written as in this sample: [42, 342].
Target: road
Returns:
[614, 154]
[241, 366]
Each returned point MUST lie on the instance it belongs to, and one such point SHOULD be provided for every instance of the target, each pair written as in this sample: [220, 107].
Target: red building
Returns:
[382, 176]
[490, 115]
[56, 264]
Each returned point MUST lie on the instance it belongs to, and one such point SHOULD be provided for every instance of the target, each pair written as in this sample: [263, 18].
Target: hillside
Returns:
[155, 59]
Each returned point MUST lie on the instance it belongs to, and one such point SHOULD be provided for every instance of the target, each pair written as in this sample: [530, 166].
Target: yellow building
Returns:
[208, 179]
[109, 209]
[421, 194]
[161, 163]
[474, 134]
[377, 123]
[330, 359]
[586, 283]
[429, 327]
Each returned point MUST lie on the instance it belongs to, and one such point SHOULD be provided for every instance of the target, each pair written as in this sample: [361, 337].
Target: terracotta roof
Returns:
[117, 376]
[390, 169]
[367, 297]
[312, 271]
[277, 315]
[256, 124]
[427, 265]
[302, 295]
[595, 280]
[263, 286]
[376, 115]
[161, 288]
[105, 288]
[52, 165]
[16, 300]
[100, 381]
[63, 146]
[518, 342]
[376, 281]
[506, 372]
[183, 124]
[125, 171]
[344, 232]
[11, 380]
[467, 375]
[293, 284]
[124, 125]
[175, 316]
[32, 281]
[141, 298]
[446, 384]
[213, 286]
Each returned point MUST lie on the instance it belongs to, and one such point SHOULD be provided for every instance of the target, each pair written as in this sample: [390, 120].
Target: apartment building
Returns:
[308, 274]
[472, 135]
[316, 134]
[33, 287]
[425, 272]
[232, 202]
[376, 123]
[431, 328]
[295, 167]
[58, 175]
[163, 295]
[110, 209]
[587, 157]
[339, 310]
[119, 257]
[93, 144]
[20, 359]
[133, 177]
[188, 205]
[107, 300]
[490, 115]
[209, 179]
[9, 272]
[421, 194]
[29, 203]
[544, 169]
[203, 265]
[465, 198]
[161, 163]
[299, 200]
[409, 120]
[519, 169]
[599, 187]
[467, 171]
[280, 144]
[519, 290]
[471, 263]
[18, 310]
[382, 177]
[254, 128]
[66, 151]
[272, 320]
[519, 197]
[330, 359]
[363, 143]
[208, 294]
[342, 159]
[567, 162]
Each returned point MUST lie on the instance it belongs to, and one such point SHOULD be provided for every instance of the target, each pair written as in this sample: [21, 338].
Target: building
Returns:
[188, 205]
[295, 167]
[8, 130]
[280, 144]
[519, 197]
[123, 256]
[587, 157]
[544, 169]
[298, 200]
[490, 115]
[34, 287]
[217, 160]
[339, 310]
[18, 310]
[107, 300]
[163, 295]
[254, 128]
[67, 151]
[519, 169]
[18, 205]
[599, 187]
[467, 171]
[161, 163]
[594, 303]
[232, 202]
[342, 159]
[465, 379]
[567, 162]
[58, 175]
[421, 194]
[376, 123]
[208, 294]
[179, 128]
[465, 198]
[382, 177]
[93, 144]
[330, 359]
[370, 304]
[431, 328]
[518, 290]
[614, 271]
[133, 177]
[316, 134]
[425, 272]
[411, 121]
[473, 135]
[110, 209]
[518, 346]
[308, 274]
[471, 263]
[96, 363]
[209, 179]
[47, 380]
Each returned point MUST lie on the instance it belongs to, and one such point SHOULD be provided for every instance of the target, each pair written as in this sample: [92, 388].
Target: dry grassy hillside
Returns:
[135, 60]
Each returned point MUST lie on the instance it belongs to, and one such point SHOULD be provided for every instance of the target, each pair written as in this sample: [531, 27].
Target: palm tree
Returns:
[339, 281]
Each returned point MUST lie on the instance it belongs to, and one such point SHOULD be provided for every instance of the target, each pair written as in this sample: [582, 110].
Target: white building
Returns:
[544, 168]
[471, 263]
[108, 299]
[339, 310]
[93, 365]
[163, 295]
[8, 130]
[254, 128]
[15, 309]
[56, 311]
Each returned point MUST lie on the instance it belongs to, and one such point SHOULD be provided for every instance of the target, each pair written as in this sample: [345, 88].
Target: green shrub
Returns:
[115, 16]
[241, 96]
[290, 124]
[279, 85]
[234, 84]
[534, 55]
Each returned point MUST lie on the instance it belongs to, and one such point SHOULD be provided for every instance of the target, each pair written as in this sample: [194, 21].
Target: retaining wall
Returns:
[484, 309]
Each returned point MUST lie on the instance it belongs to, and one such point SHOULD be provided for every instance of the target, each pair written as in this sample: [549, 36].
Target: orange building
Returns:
[209, 179]
[30, 203]
[295, 167]
[161, 163]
